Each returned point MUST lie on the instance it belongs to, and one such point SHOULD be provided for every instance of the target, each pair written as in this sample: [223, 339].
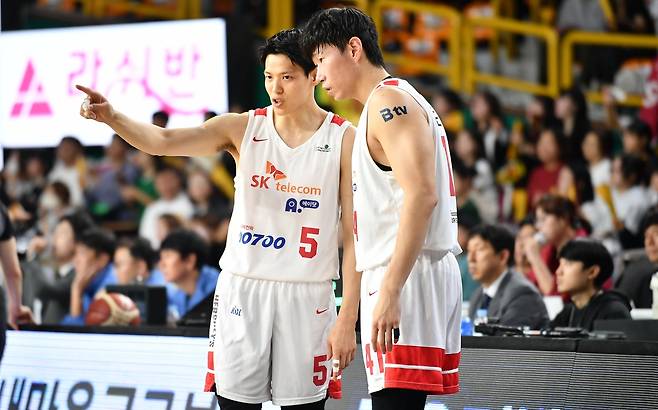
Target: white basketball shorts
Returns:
[268, 340]
[426, 356]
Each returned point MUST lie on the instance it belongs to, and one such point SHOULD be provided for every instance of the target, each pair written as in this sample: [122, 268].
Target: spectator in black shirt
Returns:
[585, 265]
[635, 280]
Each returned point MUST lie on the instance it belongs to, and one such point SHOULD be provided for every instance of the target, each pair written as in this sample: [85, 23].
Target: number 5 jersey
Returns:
[285, 218]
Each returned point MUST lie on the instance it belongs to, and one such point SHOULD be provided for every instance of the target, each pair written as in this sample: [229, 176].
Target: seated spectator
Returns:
[595, 212]
[635, 280]
[464, 228]
[53, 287]
[637, 141]
[203, 194]
[70, 168]
[55, 202]
[543, 178]
[173, 200]
[629, 198]
[167, 223]
[556, 222]
[585, 265]
[93, 272]
[449, 105]
[526, 230]
[113, 172]
[489, 124]
[571, 110]
[509, 298]
[463, 178]
[182, 257]
[484, 193]
[597, 148]
[134, 263]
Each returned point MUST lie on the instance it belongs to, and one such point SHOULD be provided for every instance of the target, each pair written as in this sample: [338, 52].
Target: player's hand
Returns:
[95, 106]
[342, 344]
[20, 315]
[385, 320]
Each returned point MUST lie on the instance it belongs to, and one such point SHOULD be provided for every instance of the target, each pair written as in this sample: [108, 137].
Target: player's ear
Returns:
[313, 75]
[355, 47]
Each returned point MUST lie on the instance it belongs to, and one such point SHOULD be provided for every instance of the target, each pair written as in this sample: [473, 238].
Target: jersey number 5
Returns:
[309, 247]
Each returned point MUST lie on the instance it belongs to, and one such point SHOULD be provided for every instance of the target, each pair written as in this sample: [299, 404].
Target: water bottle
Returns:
[467, 326]
[480, 317]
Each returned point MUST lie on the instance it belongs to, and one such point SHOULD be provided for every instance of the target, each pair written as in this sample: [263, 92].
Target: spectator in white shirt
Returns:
[172, 200]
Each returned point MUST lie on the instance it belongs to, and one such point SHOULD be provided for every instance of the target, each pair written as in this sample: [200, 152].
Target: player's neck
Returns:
[188, 283]
[296, 127]
[369, 78]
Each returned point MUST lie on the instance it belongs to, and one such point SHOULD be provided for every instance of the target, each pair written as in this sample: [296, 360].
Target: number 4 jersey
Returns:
[285, 218]
[378, 196]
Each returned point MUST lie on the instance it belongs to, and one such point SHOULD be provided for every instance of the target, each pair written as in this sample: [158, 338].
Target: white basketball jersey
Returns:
[378, 196]
[285, 218]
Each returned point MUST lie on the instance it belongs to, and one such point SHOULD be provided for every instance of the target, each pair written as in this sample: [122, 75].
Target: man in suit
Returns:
[509, 298]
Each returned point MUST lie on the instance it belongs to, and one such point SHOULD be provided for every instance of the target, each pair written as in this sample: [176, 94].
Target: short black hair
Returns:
[162, 115]
[499, 238]
[649, 219]
[288, 43]
[633, 168]
[460, 168]
[186, 242]
[141, 249]
[559, 206]
[591, 253]
[100, 240]
[641, 129]
[80, 222]
[335, 27]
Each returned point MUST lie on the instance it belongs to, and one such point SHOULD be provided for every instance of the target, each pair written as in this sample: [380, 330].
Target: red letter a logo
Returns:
[30, 93]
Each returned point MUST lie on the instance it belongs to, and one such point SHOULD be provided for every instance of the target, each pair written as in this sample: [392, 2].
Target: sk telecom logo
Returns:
[30, 100]
[271, 169]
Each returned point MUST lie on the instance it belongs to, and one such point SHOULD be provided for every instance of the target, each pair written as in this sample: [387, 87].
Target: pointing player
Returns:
[274, 309]
[405, 217]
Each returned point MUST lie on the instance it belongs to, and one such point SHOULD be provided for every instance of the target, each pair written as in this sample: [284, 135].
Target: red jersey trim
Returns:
[260, 111]
[337, 120]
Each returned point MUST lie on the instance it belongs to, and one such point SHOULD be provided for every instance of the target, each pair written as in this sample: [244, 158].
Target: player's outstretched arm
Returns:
[342, 339]
[217, 134]
[399, 124]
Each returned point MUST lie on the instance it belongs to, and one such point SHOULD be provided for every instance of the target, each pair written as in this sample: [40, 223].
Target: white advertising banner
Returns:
[47, 370]
[178, 67]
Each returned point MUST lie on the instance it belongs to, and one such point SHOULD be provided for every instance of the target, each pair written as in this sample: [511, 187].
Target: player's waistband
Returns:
[275, 280]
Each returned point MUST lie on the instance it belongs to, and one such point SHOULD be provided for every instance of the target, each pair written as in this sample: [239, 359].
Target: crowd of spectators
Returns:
[85, 221]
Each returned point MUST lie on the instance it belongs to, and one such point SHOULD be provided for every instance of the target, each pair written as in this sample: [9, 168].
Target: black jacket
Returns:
[635, 282]
[606, 305]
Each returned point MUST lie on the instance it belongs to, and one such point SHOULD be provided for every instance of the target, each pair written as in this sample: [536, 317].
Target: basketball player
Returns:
[274, 306]
[405, 217]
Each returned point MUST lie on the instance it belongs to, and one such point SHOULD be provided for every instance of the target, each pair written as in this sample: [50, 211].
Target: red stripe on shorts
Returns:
[434, 381]
[210, 377]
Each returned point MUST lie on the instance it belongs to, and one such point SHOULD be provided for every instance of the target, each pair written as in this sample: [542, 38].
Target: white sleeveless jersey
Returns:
[378, 196]
[285, 218]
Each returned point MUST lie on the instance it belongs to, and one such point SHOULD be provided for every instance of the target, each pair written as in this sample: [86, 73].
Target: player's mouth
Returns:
[277, 102]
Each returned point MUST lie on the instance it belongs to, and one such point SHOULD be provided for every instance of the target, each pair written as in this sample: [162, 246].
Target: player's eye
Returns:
[287, 77]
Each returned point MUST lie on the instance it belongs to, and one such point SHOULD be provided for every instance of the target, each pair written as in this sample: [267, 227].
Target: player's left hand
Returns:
[342, 344]
[385, 320]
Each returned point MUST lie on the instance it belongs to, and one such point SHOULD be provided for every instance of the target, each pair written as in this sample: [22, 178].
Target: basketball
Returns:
[112, 309]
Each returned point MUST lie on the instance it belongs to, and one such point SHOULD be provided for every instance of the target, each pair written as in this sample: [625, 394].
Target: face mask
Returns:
[49, 202]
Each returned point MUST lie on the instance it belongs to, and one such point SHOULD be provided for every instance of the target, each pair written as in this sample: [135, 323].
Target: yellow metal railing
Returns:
[176, 10]
[472, 76]
[451, 69]
[601, 39]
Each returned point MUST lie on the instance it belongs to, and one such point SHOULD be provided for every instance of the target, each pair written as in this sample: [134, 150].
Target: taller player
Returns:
[274, 306]
[405, 217]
